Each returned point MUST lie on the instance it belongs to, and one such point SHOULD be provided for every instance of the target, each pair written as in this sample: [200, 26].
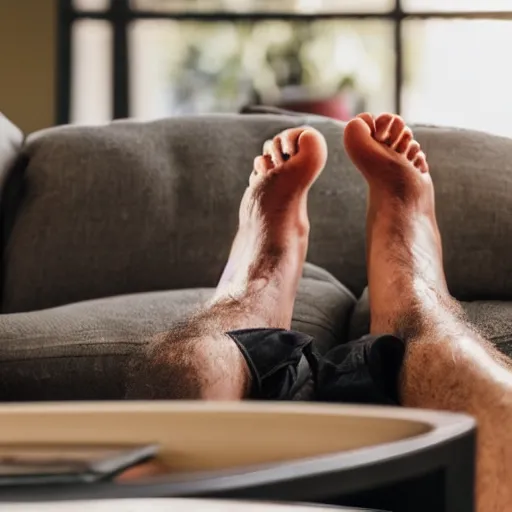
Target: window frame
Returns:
[120, 15]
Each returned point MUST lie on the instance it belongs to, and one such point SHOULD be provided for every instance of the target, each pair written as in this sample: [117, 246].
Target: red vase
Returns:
[336, 107]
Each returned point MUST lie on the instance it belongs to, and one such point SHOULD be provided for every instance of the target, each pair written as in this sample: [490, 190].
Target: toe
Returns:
[420, 162]
[313, 148]
[272, 148]
[289, 144]
[305, 144]
[396, 130]
[357, 128]
[413, 149]
[383, 125]
[402, 143]
[369, 120]
[262, 164]
[278, 152]
[359, 142]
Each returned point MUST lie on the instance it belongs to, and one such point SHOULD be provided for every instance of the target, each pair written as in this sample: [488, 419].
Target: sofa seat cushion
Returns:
[492, 318]
[80, 351]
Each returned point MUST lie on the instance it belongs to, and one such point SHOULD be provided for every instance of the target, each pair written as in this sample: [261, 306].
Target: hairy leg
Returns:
[448, 365]
[196, 359]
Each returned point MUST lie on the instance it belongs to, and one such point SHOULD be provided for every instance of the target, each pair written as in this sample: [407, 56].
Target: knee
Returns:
[169, 368]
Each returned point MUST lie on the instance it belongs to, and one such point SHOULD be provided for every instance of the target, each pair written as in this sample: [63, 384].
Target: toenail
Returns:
[286, 156]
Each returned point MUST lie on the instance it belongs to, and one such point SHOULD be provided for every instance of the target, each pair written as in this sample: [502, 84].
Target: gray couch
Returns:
[110, 234]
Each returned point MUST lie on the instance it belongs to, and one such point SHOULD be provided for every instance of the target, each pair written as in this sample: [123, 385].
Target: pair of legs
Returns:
[447, 364]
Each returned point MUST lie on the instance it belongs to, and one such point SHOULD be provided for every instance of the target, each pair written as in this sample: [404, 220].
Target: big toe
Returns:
[312, 149]
[360, 143]
[306, 151]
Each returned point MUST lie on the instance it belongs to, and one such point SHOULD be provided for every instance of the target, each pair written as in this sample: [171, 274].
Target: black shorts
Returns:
[286, 366]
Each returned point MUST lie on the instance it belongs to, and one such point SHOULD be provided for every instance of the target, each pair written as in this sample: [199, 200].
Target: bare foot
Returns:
[404, 253]
[272, 240]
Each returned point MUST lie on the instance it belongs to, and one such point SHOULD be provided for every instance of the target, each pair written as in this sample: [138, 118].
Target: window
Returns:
[433, 61]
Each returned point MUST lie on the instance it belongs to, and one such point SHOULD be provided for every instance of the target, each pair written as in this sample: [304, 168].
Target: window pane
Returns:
[455, 74]
[329, 67]
[288, 6]
[91, 5]
[92, 70]
[457, 5]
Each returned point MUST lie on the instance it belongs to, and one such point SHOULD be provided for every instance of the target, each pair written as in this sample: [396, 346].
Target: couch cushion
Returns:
[134, 207]
[80, 351]
[493, 319]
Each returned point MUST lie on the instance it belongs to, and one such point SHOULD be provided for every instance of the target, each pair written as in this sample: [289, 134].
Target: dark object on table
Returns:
[35, 464]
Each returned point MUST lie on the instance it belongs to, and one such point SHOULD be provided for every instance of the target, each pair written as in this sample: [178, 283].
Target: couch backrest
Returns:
[133, 207]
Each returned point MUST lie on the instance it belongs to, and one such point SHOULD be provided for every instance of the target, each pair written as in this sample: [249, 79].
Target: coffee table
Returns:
[383, 458]
[174, 505]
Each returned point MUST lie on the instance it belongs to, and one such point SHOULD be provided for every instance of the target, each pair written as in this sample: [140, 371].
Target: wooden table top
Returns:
[167, 505]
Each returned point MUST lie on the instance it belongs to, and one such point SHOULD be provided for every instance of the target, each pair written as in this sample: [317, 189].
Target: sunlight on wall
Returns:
[458, 75]
[91, 97]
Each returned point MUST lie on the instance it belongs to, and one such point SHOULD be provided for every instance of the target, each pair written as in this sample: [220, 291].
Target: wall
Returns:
[27, 62]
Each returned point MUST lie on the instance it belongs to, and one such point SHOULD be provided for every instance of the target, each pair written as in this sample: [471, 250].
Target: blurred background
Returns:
[89, 61]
